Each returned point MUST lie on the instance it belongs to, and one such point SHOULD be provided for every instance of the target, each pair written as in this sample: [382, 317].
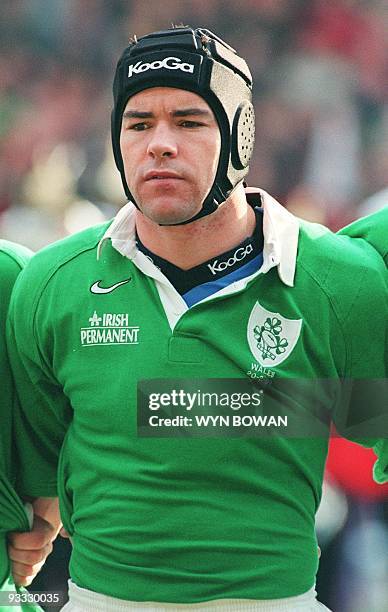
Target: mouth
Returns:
[161, 175]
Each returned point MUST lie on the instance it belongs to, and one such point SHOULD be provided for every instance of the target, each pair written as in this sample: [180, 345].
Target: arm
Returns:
[41, 411]
[373, 229]
[41, 415]
[362, 411]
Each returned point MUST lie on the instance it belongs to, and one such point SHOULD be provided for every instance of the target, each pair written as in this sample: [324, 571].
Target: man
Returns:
[196, 283]
[14, 516]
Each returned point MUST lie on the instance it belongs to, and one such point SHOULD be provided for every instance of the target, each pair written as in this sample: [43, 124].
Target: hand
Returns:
[28, 550]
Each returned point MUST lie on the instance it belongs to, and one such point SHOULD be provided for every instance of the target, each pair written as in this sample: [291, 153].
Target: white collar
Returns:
[280, 229]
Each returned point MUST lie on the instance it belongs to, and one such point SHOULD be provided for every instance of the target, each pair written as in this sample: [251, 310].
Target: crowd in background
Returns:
[320, 94]
[320, 75]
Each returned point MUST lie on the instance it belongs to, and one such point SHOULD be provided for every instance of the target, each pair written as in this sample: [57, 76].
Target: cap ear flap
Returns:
[243, 135]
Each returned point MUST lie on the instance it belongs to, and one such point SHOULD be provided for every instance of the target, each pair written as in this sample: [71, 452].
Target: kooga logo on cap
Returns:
[171, 63]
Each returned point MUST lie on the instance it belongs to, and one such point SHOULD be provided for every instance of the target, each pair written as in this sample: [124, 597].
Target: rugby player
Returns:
[197, 278]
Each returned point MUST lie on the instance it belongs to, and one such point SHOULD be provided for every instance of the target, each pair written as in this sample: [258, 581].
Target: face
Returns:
[170, 145]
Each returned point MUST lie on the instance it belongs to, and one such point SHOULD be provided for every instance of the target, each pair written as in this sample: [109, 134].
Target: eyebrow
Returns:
[197, 112]
[183, 112]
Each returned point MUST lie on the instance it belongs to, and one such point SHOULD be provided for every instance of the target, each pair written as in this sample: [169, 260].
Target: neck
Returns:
[189, 245]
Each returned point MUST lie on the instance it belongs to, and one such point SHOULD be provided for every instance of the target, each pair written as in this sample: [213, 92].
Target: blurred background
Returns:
[320, 73]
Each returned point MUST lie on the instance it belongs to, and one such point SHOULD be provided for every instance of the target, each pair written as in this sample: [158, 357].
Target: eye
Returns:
[190, 124]
[138, 127]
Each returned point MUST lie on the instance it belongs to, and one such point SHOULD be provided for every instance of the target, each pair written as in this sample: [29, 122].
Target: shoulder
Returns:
[372, 228]
[13, 255]
[13, 258]
[327, 255]
[348, 270]
[54, 258]
[58, 254]
[353, 277]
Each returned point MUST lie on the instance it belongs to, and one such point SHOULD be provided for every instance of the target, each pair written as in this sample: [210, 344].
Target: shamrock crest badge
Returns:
[271, 337]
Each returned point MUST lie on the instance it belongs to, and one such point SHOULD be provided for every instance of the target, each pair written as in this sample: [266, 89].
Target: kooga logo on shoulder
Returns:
[171, 63]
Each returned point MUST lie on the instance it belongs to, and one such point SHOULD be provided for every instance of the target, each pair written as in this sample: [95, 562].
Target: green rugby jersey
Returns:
[184, 519]
[12, 515]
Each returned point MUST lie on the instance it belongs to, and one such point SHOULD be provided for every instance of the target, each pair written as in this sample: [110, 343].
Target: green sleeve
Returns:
[13, 258]
[365, 420]
[42, 412]
[12, 514]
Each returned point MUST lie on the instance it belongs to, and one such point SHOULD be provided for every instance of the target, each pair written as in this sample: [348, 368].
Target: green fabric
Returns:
[182, 520]
[374, 229]
[12, 515]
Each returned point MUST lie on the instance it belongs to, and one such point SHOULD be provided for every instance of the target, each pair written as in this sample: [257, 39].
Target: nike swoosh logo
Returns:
[95, 288]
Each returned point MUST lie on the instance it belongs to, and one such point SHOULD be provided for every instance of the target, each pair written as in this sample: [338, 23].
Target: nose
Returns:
[162, 142]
